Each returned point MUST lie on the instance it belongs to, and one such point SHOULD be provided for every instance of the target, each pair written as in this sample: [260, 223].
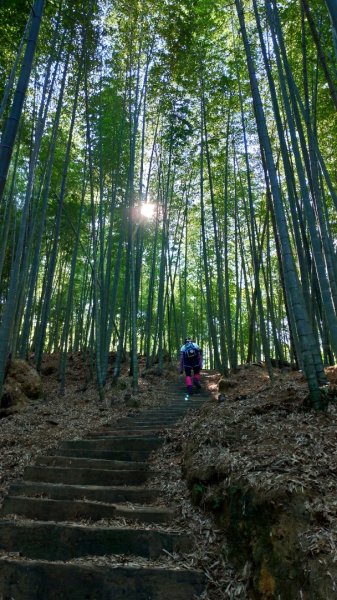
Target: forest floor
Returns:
[253, 477]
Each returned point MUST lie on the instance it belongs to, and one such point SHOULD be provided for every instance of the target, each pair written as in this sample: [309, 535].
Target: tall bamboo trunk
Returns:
[12, 124]
[312, 362]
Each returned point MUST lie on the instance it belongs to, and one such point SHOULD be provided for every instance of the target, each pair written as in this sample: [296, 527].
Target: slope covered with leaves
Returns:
[263, 467]
[252, 477]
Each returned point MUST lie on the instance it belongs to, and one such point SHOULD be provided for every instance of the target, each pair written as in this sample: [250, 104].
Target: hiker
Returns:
[191, 359]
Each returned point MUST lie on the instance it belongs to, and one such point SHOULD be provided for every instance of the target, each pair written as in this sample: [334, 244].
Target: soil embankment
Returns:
[265, 467]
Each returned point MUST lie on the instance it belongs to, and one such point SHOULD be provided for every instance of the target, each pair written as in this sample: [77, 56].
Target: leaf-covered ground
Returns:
[260, 436]
[260, 440]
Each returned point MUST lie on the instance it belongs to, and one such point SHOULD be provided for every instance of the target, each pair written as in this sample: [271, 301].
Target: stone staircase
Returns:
[45, 545]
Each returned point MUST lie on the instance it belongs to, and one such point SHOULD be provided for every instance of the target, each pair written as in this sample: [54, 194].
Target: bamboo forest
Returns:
[168, 175]
[168, 168]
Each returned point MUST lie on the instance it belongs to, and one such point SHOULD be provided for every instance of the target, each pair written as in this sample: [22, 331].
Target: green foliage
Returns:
[146, 72]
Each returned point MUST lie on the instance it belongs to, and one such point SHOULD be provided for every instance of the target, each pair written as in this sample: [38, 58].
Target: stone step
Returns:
[183, 405]
[33, 580]
[174, 391]
[153, 423]
[174, 394]
[163, 423]
[58, 541]
[162, 413]
[107, 494]
[149, 419]
[159, 416]
[82, 476]
[154, 418]
[145, 428]
[179, 395]
[167, 413]
[91, 463]
[71, 510]
[186, 405]
[129, 432]
[96, 478]
[177, 413]
[126, 443]
[117, 435]
[177, 400]
[144, 423]
[132, 456]
[135, 431]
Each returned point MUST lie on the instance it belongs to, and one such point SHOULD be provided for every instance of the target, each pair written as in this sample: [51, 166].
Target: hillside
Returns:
[252, 474]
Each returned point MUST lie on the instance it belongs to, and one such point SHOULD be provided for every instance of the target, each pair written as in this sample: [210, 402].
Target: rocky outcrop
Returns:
[22, 384]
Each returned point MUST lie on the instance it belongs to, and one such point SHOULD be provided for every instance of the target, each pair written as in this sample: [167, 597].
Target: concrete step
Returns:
[154, 430]
[182, 407]
[148, 420]
[82, 476]
[91, 463]
[126, 430]
[119, 455]
[129, 424]
[173, 391]
[96, 478]
[178, 397]
[58, 541]
[34, 580]
[136, 428]
[154, 423]
[123, 443]
[164, 414]
[45, 509]
[151, 418]
[167, 413]
[107, 494]
[159, 416]
[195, 399]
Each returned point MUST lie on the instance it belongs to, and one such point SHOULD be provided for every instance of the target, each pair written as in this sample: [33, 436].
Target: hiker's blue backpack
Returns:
[190, 350]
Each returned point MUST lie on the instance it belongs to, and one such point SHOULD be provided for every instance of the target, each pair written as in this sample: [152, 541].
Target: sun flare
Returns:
[148, 210]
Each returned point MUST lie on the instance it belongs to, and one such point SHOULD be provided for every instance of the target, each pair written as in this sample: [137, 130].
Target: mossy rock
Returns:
[26, 377]
[22, 383]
